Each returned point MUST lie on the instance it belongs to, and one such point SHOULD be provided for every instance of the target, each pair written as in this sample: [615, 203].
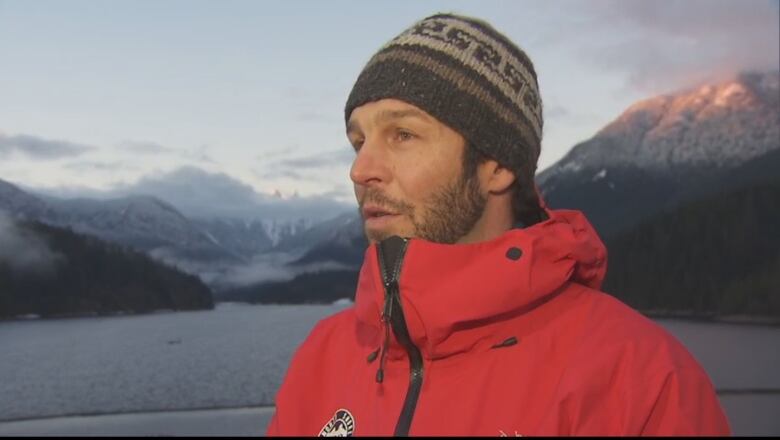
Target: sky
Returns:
[100, 95]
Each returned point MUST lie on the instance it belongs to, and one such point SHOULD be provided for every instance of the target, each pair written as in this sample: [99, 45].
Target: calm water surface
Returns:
[58, 374]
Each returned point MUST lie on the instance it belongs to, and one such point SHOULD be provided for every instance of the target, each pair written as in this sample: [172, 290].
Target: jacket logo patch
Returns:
[341, 425]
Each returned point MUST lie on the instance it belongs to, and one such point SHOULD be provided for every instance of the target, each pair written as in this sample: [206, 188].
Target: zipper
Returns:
[393, 314]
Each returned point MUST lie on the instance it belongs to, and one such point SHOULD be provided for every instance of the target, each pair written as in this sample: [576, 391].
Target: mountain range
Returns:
[659, 160]
[657, 155]
[141, 222]
[212, 246]
[660, 155]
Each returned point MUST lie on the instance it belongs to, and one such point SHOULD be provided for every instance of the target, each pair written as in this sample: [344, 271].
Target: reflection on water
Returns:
[235, 357]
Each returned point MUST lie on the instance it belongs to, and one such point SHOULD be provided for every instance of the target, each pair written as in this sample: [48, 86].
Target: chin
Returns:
[375, 236]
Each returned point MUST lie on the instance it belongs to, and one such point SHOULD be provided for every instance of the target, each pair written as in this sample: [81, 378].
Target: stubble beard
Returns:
[449, 215]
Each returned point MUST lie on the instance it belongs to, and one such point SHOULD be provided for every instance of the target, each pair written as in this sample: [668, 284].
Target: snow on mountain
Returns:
[141, 222]
[204, 195]
[280, 230]
[338, 230]
[242, 236]
[645, 159]
[713, 126]
[144, 223]
[346, 246]
[20, 204]
[218, 249]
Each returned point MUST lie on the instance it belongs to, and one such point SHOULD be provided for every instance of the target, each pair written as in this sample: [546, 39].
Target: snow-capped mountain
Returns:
[199, 194]
[721, 125]
[140, 222]
[327, 258]
[339, 240]
[243, 237]
[281, 230]
[20, 204]
[252, 237]
[640, 162]
[657, 151]
[215, 248]
[338, 230]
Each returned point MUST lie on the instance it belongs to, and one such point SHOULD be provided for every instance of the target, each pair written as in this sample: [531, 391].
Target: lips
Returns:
[372, 212]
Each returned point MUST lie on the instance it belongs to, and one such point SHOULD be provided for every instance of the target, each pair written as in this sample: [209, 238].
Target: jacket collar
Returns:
[454, 296]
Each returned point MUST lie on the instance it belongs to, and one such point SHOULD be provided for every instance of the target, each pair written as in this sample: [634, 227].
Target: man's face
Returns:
[408, 174]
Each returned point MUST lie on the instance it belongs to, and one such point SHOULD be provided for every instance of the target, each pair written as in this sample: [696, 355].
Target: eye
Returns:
[357, 144]
[404, 135]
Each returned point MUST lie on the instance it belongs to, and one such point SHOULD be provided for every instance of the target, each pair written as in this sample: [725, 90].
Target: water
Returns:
[736, 357]
[57, 375]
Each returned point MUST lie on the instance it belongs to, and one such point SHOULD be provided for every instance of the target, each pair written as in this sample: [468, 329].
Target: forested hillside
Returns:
[717, 256]
[82, 276]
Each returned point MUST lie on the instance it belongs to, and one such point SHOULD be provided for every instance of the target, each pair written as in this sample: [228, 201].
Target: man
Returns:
[477, 309]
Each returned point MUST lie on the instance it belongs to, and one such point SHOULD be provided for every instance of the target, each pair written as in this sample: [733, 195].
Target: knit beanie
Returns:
[470, 77]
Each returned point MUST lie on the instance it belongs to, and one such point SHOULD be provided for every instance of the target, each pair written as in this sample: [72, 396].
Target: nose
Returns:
[370, 165]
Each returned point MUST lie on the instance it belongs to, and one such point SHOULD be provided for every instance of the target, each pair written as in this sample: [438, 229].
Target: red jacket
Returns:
[506, 337]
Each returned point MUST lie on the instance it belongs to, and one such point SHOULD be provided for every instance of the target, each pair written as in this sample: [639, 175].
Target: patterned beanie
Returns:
[468, 76]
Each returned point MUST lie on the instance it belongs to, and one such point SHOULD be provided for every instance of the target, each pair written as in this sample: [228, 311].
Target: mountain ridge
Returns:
[659, 146]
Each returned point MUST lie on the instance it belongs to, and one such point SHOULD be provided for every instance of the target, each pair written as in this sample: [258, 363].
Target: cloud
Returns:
[555, 112]
[23, 251]
[144, 147]
[341, 192]
[282, 174]
[191, 188]
[99, 166]
[69, 192]
[282, 152]
[662, 46]
[39, 148]
[266, 268]
[199, 155]
[306, 168]
[314, 117]
[198, 193]
[342, 156]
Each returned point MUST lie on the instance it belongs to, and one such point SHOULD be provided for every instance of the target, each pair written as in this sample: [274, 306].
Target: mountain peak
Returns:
[663, 148]
[747, 91]
[148, 203]
[18, 203]
[716, 125]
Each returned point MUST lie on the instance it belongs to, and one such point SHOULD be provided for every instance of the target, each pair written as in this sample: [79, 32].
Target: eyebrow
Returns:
[388, 115]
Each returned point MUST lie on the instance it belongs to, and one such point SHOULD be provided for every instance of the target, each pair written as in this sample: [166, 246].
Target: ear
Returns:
[495, 178]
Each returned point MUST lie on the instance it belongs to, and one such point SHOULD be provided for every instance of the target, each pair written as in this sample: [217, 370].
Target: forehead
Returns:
[386, 110]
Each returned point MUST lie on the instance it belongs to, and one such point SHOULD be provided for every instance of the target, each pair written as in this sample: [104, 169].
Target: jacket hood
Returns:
[454, 296]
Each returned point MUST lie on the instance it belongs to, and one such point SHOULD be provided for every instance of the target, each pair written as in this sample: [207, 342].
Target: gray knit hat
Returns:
[470, 77]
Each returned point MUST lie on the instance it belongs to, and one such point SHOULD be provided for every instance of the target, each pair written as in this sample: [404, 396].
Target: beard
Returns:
[447, 216]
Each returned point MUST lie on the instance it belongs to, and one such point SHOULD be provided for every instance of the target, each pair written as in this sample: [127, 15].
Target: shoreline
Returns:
[82, 315]
[682, 315]
[753, 320]
[140, 412]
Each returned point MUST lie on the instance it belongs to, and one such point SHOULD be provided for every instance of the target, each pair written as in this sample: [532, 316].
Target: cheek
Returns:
[414, 185]
[427, 176]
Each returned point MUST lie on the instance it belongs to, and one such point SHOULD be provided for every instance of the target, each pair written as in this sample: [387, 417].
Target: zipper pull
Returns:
[387, 313]
[380, 372]
[387, 316]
